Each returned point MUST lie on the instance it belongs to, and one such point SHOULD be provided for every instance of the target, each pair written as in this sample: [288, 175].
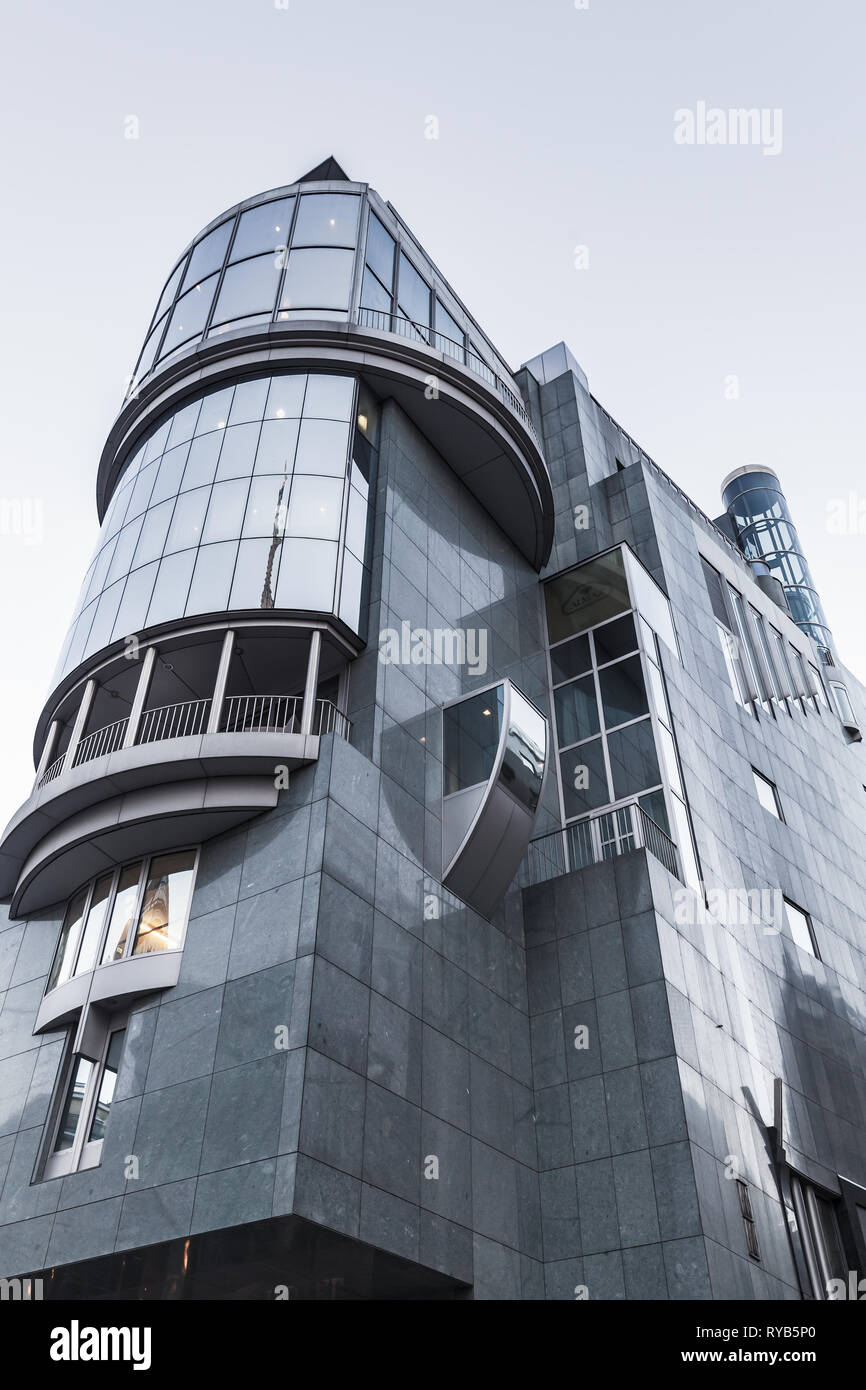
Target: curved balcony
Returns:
[168, 772]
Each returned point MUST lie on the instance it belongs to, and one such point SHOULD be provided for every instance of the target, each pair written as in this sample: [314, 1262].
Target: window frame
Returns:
[761, 779]
[129, 948]
[810, 926]
[83, 1153]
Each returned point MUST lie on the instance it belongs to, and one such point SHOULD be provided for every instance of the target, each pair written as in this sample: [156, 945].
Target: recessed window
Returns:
[87, 1092]
[135, 910]
[748, 1219]
[800, 925]
[768, 794]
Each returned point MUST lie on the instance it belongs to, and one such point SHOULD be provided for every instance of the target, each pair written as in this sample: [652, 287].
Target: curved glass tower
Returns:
[766, 534]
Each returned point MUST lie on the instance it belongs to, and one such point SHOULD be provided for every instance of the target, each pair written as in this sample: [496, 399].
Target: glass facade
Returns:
[247, 498]
[293, 257]
[766, 533]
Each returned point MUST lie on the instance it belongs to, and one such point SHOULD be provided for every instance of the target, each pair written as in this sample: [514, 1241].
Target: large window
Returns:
[133, 911]
[817, 1214]
[80, 1121]
[241, 497]
[801, 929]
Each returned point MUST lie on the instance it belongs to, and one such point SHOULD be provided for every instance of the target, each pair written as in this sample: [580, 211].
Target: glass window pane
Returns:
[356, 525]
[202, 462]
[170, 590]
[449, 334]
[121, 913]
[633, 760]
[238, 451]
[248, 288]
[470, 738]
[669, 759]
[95, 922]
[208, 255]
[141, 491]
[276, 448]
[212, 578]
[66, 946]
[315, 507]
[249, 402]
[73, 1104]
[653, 804]
[153, 534]
[135, 601]
[148, 353]
[326, 219]
[584, 779]
[215, 411]
[798, 922]
[186, 524]
[225, 511]
[322, 447]
[571, 659]
[576, 711]
[329, 397]
[165, 903]
[373, 296]
[351, 587]
[586, 596]
[168, 478]
[615, 640]
[380, 251]
[623, 694]
[522, 770]
[154, 447]
[167, 295]
[106, 612]
[766, 793]
[189, 315]
[267, 507]
[413, 293]
[255, 578]
[319, 279]
[183, 425]
[263, 228]
[286, 397]
[307, 575]
[106, 1088]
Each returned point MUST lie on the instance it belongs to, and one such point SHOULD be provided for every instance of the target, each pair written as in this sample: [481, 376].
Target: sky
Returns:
[711, 289]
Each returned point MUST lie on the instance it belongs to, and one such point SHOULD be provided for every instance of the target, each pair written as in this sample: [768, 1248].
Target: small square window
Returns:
[768, 794]
[802, 931]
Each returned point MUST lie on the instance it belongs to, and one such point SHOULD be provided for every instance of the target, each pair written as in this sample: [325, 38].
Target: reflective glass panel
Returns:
[95, 922]
[329, 397]
[800, 927]
[584, 779]
[212, 578]
[322, 447]
[623, 693]
[523, 760]
[248, 404]
[634, 763]
[225, 511]
[122, 913]
[470, 732]
[413, 293]
[189, 315]
[170, 467]
[165, 903]
[615, 640]
[276, 450]
[201, 464]
[248, 288]
[351, 591]
[307, 575]
[318, 279]
[185, 529]
[255, 578]
[167, 296]
[326, 219]
[238, 451]
[267, 507]
[586, 595]
[153, 534]
[380, 251]
[375, 296]
[214, 412]
[315, 506]
[106, 1087]
[134, 604]
[170, 590]
[576, 711]
[263, 228]
[73, 1104]
[208, 255]
[66, 947]
[183, 425]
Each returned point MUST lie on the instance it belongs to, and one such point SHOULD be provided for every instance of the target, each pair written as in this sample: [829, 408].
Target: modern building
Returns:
[445, 871]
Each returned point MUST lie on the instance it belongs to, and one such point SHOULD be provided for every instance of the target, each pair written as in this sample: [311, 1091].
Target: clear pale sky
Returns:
[556, 130]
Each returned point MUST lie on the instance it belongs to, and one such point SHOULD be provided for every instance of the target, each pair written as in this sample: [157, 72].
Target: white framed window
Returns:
[134, 910]
[86, 1094]
[768, 794]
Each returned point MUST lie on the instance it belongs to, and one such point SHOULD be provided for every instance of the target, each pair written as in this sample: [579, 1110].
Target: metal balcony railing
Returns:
[174, 721]
[598, 838]
[262, 714]
[385, 322]
[328, 719]
[52, 771]
[100, 742]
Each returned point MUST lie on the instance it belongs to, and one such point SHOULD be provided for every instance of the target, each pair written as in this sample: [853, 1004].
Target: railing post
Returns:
[222, 677]
[80, 721]
[47, 750]
[312, 683]
[144, 678]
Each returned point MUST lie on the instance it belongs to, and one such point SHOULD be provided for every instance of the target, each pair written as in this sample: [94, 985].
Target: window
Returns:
[586, 595]
[87, 1092]
[471, 730]
[817, 1214]
[748, 1219]
[768, 794]
[135, 910]
[844, 708]
[800, 925]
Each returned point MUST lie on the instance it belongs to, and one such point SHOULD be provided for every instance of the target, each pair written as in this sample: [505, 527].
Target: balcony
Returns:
[595, 839]
[171, 772]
